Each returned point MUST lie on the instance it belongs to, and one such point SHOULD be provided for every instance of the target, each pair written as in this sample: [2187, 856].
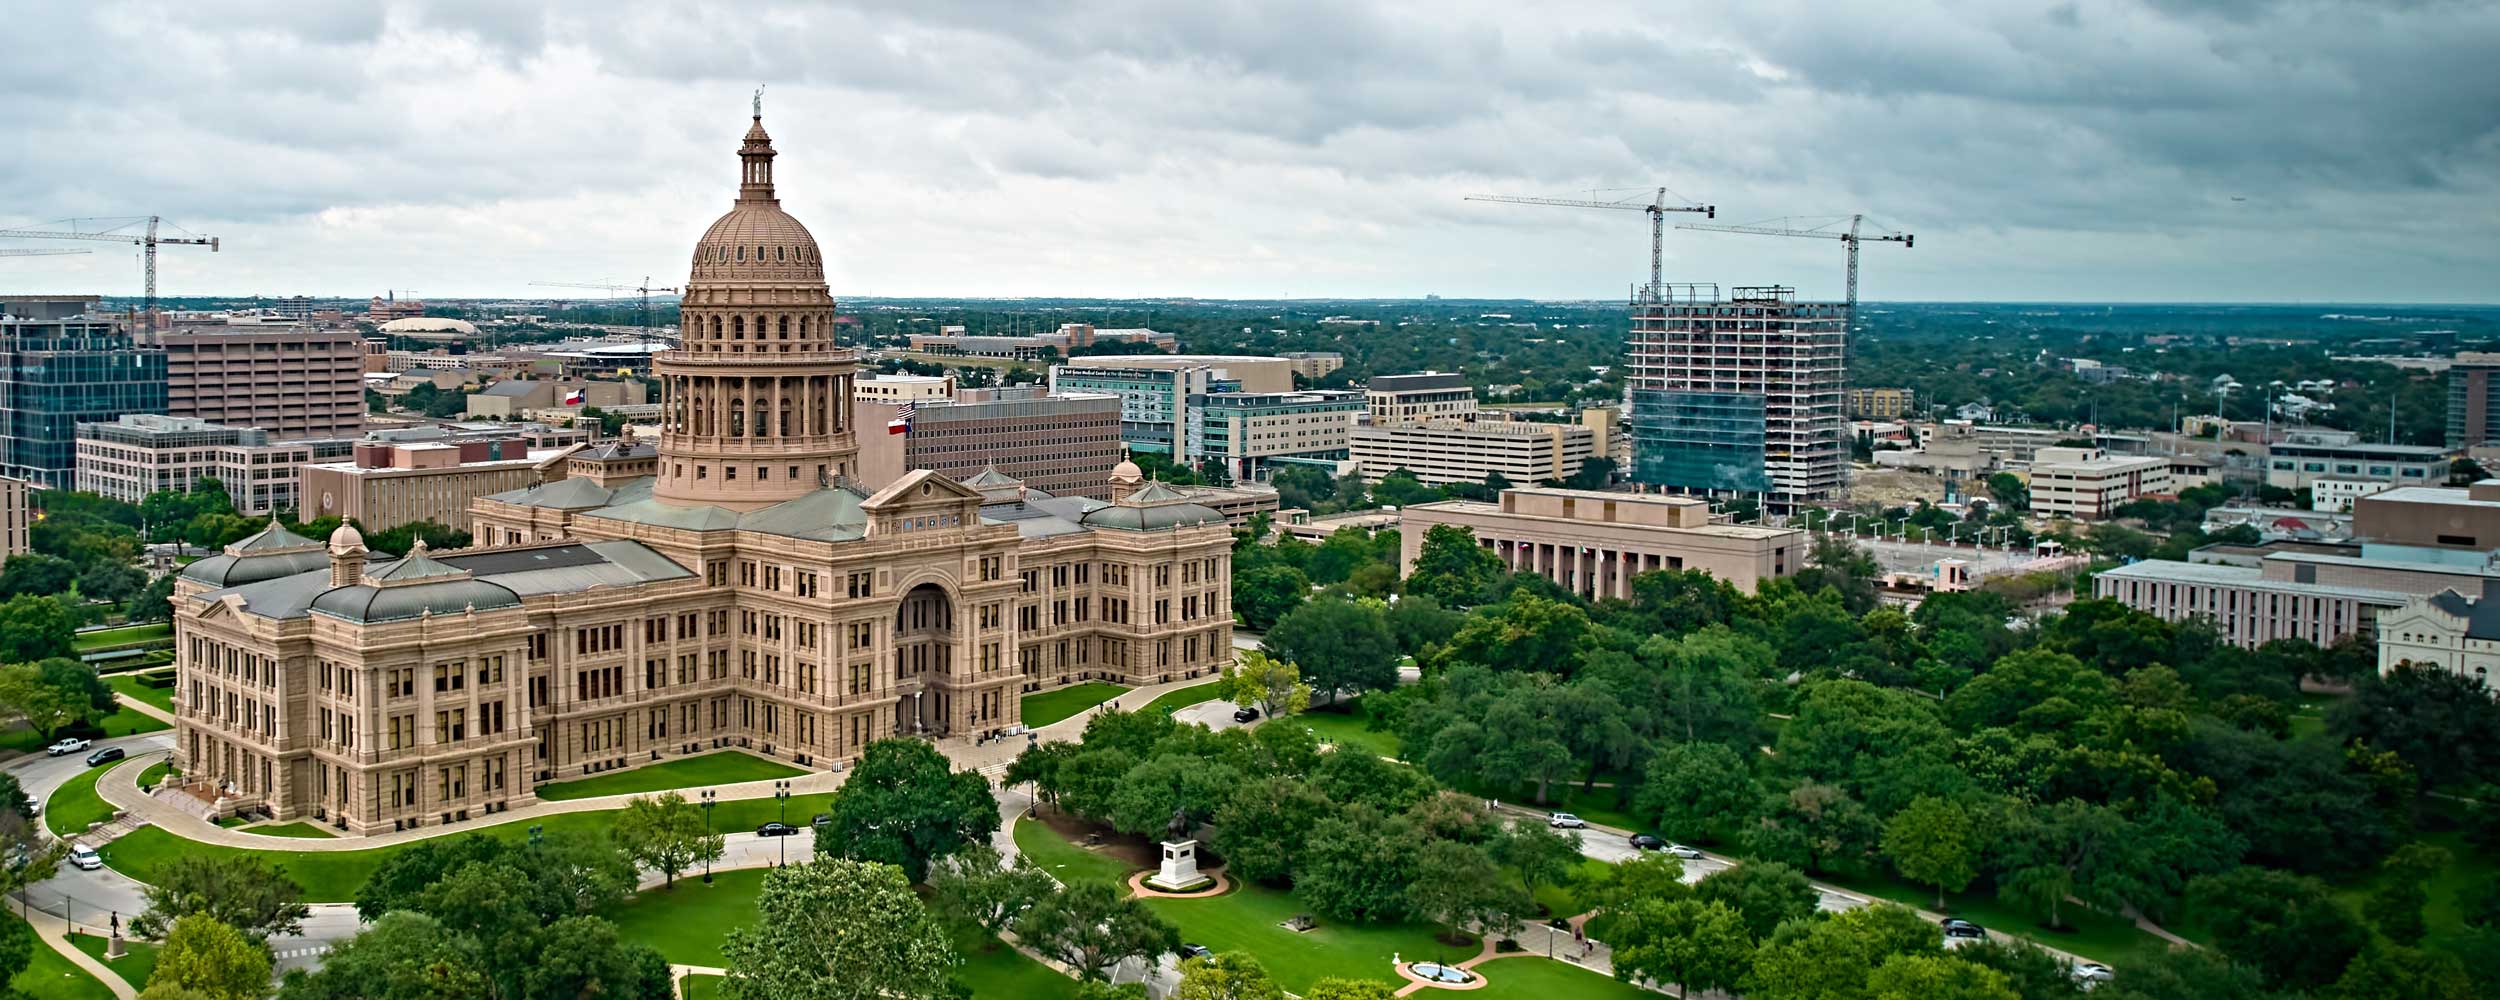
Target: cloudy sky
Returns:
[2270, 150]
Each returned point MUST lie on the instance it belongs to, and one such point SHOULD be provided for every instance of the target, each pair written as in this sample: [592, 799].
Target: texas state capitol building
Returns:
[731, 588]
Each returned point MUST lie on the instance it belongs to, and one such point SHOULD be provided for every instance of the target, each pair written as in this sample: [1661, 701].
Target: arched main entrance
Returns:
[924, 654]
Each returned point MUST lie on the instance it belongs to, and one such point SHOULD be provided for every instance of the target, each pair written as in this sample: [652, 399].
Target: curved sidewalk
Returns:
[990, 759]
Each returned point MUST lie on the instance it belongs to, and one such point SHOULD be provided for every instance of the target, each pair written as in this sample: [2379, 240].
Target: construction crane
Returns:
[1823, 230]
[40, 253]
[643, 313]
[119, 230]
[1657, 207]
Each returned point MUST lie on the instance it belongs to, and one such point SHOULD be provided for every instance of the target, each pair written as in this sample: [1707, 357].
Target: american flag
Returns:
[901, 421]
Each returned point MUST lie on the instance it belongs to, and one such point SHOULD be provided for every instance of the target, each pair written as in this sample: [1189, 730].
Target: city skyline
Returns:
[2164, 152]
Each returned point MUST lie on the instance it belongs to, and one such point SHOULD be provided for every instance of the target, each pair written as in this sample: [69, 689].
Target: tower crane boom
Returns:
[40, 253]
[644, 290]
[117, 230]
[1852, 237]
[1657, 207]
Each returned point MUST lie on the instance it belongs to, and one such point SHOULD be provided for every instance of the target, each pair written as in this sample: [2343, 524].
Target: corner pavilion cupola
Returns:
[756, 399]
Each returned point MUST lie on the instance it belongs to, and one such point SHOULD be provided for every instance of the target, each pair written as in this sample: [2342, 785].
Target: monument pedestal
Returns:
[1180, 868]
[115, 948]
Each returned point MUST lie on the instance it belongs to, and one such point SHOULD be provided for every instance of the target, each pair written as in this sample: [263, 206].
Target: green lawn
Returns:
[75, 804]
[1041, 708]
[699, 987]
[133, 967]
[724, 767]
[123, 636]
[2442, 915]
[1065, 861]
[1251, 919]
[50, 976]
[333, 876]
[128, 686]
[156, 772]
[997, 972]
[1564, 900]
[297, 830]
[1535, 977]
[1178, 698]
[2096, 936]
[688, 924]
[1346, 728]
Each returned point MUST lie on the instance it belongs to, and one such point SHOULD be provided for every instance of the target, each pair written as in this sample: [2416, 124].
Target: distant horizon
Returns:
[1180, 297]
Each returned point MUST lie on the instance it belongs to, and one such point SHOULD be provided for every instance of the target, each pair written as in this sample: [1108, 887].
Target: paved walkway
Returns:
[54, 932]
[144, 708]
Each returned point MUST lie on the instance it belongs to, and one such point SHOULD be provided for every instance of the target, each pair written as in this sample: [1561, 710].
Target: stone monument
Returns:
[1179, 872]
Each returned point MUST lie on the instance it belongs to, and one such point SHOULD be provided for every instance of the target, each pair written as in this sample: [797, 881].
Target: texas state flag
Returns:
[573, 398]
[901, 421]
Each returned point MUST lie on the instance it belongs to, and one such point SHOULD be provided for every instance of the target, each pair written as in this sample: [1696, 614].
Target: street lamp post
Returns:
[781, 793]
[710, 798]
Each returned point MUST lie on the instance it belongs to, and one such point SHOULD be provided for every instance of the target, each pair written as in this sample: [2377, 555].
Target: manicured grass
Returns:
[2096, 936]
[298, 830]
[1251, 919]
[2443, 916]
[1565, 900]
[133, 967]
[75, 804]
[688, 924]
[1346, 728]
[49, 976]
[128, 686]
[1180, 698]
[723, 767]
[1065, 861]
[156, 772]
[123, 636]
[700, 987]
[1041, 708]
[333, 876]
[997, 972]
[1536, 977]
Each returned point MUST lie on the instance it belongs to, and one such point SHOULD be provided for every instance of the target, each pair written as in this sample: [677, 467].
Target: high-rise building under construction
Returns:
[1738, 395]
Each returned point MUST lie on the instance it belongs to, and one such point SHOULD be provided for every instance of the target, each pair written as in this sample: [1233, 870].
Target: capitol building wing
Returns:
[733, 588]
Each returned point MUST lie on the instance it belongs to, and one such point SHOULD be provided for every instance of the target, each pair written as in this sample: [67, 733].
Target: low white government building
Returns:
[2447, 630]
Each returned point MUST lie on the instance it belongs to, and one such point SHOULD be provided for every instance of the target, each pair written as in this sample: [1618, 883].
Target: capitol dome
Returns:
[756, 240]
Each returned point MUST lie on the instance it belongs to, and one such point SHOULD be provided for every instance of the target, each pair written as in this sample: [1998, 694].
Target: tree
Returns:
[2440, 721]
[78, 680]
[1265, 825]
[1464, 889]
[1937, 977]
[2398, 973]
[1526, 633]
[1935, 842]
[1540, 854]
[36, 574]
[33, 627]
[583, 957]
[1089, 927]
[2396, 906]
[212, 959]
[1350, 989]
[47, 707]
[1816, 827]
[115, 582]
[2200, 973]
[2033, 972]
[155, 602]
[2008, 491]
[1145, 799]
[1689, 942]
[1233, 975]
[1452, 569]
[404, 875]
[239, 891]
[2291, 928]
[666, 834]
[1274, 686]
[1832, 957]
[1695, 791]
[977, 885]
[1263, 594]
[838, 929]
[1340, 646]
[904, 806]
[1357, 866]
[1765, 893]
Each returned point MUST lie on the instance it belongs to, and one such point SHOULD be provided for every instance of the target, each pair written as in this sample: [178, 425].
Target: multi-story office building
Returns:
[1063, 445]
[903, 388]
[2337, 495]
[1395, 400]
[2306, 457]
[513, 397]
[383, 485]
[2473, 400]
[1252, 374]
[1069, 338]
[1314, 365]
[17, 516]
[746, 596]
[1593, 544]
[292, 381]
[1738, 395]
[2090, 484]
[1154, 402]
[140, 454]
[1455, 451]
[1246, 431]
[1881, 403]
[61, 365]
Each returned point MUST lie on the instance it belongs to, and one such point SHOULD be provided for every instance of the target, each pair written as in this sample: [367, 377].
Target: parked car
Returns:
[2090, 973]
[85, 858]
[1959, 932]
[65, 747]
[1566, 821]
[1681, 851]
[1245, 714]
[1190, 951]
[1647, 842]
[822, 819]
[105, 756]
[775, 830]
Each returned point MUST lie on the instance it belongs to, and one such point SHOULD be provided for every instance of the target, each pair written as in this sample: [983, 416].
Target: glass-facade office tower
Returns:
[61, 365]
[1739, 395]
